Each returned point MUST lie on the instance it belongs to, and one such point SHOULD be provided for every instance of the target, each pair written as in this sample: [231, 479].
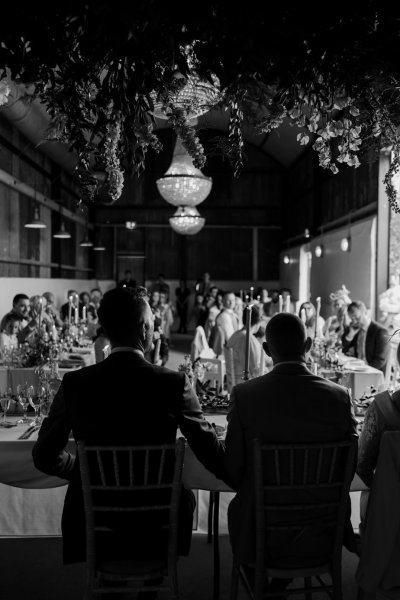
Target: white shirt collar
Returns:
[127, 349]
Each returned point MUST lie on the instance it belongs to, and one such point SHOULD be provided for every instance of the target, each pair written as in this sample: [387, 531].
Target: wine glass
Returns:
[34, 400]
[23, 401]
[5, 401]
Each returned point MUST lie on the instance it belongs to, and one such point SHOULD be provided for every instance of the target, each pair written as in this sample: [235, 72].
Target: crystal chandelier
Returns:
[187, 220]
[183, 184]
[195, 98]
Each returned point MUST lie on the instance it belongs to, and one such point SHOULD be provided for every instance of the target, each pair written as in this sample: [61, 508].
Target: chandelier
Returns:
[183, 184]
[187, 220]
[195, 98]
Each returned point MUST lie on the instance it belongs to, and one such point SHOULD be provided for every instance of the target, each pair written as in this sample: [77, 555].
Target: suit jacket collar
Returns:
[291, 367]
[128, 356]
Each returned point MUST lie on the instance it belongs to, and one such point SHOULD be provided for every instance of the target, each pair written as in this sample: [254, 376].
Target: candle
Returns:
[251, 294]
[280, 303]
[288, 304]
[69, 310]
[40, 312]
[318, 310]
[303, 315]
[76, 315]
[84, 313]
[248, 310]
[241, 295]
[258, 298]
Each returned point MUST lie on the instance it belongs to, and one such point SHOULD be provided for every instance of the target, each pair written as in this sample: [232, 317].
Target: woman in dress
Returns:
[339, 320]
[308, 314]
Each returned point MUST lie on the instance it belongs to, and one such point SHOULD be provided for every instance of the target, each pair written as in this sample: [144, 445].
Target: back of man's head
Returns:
[286, 337]
[122, 314]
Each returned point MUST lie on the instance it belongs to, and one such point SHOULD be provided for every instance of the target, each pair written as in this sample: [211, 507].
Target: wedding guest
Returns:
[287, 405]
[84, 298]
[8, 335]
[308, 314]
[237, 342]
[364, 338]
[158, 401]
[339, 320]
[272, 307]
[182, 294]
[166, 315]
[128, 281]
[203, 286]
[95, 299]
[161, 286]
[226, 323]
[214, 307]
[39, 316]
[238, 309]
[20, 310]
[287, 296]
[199, 311]
[51, 309]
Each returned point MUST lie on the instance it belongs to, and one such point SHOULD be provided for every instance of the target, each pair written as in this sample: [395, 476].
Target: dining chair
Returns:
[118, 481]
[299, 489]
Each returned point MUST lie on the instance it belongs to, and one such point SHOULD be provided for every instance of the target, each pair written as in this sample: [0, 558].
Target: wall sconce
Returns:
[345, 244]
[86, 243]
[307, 233]
[319, 250]
[286, 259]
[130, 225]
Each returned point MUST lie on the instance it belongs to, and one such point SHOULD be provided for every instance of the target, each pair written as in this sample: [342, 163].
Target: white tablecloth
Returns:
[361, 381]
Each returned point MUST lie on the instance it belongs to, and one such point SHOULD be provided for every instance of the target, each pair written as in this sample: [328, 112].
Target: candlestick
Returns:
[248, 310]
[40, 312]
[69, 310]
[303, 315]
[251, 293]
[288, 304]
[247, 297]
[84, 313]
[280, 303]
[318, 310]
[241, 295]
[76, 315]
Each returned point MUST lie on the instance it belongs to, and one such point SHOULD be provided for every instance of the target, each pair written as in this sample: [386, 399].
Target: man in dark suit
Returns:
[124, 400]
[364, 338]
[287, 405]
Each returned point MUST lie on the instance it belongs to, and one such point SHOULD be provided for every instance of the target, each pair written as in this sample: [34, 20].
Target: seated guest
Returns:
[156, 401]
[307, 314]
[226, 323]
[95, 298]
[287, 302]
[272, 307]
[238, 344]
[8, 335]
[39, 316]
[73, 296]
[336, 323]
[84, 298]
[20, 310]
[287, 405]
[128, 281]
[51, 309]
[364, 338]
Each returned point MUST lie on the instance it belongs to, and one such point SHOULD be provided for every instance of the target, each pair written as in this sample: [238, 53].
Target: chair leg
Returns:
[308, 586]
[234, 583]
[210, 518]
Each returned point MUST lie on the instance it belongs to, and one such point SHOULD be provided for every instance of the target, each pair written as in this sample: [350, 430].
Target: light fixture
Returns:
[319, 250]
[62, 234]
[345, 244]
[86, 243]
[183, 184]
[99, 248]
[36, 223]
[187, 220]
[130, 225]
[307, 233]
[195, 97]
[286, 259]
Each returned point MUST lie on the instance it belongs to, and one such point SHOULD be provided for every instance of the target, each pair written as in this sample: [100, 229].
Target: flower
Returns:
[5, 91]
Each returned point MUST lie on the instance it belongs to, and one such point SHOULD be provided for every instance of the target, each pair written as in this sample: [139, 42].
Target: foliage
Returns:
[100, 67]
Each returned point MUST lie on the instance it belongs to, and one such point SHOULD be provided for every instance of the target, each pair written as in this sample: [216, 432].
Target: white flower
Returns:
[5, 91]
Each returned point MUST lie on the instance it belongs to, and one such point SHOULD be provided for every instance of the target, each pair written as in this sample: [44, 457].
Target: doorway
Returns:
[134, 263]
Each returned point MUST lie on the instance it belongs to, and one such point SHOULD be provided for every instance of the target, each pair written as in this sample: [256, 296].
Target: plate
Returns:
[356, 368]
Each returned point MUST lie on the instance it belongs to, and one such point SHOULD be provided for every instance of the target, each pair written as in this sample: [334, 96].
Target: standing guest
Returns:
[199, 311]
[8, 335]
[287, 405]
[308, 314]
[214, 307]
[76, 305]
[182, 294]
[364, 338]
[226, 324]
[161, 286]
[203, 286]
[158, 401]
[214, 291]
[51, 309]
[167, 318]
[238, 310]
[128, 281]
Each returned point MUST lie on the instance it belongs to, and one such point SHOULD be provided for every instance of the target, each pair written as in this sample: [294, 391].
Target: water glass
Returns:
[5, 401]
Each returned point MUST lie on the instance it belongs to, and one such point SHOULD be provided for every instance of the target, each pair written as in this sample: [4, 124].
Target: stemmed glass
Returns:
[5, 401]
[34, 400]
[23, 401]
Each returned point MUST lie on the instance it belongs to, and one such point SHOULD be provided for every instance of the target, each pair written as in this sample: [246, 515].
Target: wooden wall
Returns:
[35, 253]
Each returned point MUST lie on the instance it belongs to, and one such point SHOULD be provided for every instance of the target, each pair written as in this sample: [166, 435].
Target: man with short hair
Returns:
[128, 281]
[21, 312]
[226, 323]
[123, 400]
[287, 405]
[364, 338]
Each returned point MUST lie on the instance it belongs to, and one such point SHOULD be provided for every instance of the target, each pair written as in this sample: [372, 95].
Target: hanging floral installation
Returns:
[107, 70]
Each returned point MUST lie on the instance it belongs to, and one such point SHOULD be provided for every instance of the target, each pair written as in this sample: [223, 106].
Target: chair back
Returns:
[299, 487]
[131, 479]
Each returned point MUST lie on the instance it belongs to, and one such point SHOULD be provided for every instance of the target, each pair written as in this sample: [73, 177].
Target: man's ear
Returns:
[307, 345]
[266, 349]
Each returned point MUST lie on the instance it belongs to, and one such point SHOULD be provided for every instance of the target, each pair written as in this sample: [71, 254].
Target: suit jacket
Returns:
[376, 345]
[289, 404]
[123, 400]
